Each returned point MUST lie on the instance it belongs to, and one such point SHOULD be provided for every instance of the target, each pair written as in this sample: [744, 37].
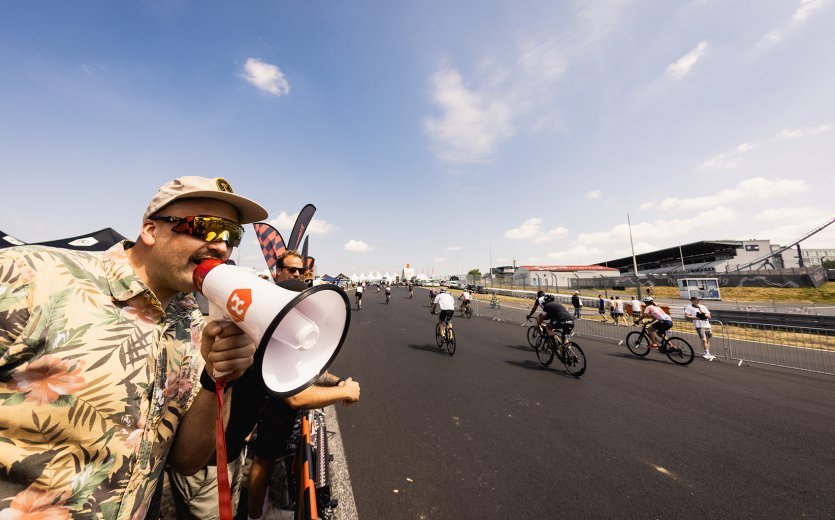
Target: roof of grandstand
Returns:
[696, 252]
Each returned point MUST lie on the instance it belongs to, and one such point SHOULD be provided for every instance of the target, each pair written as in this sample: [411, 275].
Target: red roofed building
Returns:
[559, 276]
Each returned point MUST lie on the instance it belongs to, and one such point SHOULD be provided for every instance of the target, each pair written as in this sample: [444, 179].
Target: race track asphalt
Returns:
[488, 433]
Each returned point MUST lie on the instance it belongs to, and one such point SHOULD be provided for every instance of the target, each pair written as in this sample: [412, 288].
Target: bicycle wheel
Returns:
[545, 353]
[534, 336]
[574, 359]
[468, 313]
[439, 339]
[637, 343]
[679, 351]
[450, 341]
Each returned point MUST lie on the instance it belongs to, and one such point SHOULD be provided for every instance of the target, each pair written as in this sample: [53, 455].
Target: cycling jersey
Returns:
[360, 289]
[655, 312]
[465, 296]
[445, 301]
[555, 311]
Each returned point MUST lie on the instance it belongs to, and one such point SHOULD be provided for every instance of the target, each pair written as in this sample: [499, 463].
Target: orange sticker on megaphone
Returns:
[238, 303]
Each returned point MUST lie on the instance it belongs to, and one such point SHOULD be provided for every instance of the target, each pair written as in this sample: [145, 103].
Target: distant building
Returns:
[705, 257]
[503, 274]
[408, 273]
[559, 276]
[813, 257]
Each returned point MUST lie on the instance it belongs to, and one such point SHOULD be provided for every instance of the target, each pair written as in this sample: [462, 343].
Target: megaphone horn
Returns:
[298, 334]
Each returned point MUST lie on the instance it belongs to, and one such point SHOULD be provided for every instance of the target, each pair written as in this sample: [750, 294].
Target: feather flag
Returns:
[272, 244]
[299, 228]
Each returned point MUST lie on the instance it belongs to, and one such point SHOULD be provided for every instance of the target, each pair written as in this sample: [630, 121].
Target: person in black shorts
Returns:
[556, 316]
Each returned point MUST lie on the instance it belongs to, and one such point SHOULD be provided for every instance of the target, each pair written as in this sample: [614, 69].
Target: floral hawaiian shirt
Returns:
[95, 377]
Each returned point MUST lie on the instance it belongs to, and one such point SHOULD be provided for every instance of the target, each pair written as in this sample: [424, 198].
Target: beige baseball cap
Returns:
[195, 187]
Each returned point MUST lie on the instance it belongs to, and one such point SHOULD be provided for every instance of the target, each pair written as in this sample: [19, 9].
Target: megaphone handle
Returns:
[224, 492]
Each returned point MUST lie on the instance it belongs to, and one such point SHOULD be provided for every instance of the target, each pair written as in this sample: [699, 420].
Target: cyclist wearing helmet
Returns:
[661, 322]
[539, 303]
[446, 303]
[558, 317]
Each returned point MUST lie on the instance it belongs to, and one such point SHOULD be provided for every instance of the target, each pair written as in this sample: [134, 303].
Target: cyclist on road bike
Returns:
[432, 295]
[465, 299]
[539, 304]
[388, 292]
[557, 316]
[660, 321]
[446, 303]
[360, 290]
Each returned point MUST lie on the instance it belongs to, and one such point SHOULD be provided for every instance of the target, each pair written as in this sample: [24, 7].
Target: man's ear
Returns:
[148, 232]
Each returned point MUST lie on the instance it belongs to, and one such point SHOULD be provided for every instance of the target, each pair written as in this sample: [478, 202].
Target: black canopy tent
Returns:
[100, 240]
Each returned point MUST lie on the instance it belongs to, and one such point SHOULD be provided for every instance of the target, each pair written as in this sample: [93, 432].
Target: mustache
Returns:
[210, 256]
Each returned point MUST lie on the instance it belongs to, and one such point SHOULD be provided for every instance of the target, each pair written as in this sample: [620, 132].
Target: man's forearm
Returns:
[195, 440]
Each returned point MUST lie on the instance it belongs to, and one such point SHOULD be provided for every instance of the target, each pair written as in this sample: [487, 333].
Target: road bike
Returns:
[535, 333]
[447, 339]
[678, 350]
[388, 297]
[466, 311]
[411, 293]
[358, 297]
[568, 352]
[494, 302]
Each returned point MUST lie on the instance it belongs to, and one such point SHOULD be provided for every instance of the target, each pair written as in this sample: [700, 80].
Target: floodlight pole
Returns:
[634, 260]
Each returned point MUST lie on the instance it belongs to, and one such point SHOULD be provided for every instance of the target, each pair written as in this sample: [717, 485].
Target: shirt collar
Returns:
[125, 285]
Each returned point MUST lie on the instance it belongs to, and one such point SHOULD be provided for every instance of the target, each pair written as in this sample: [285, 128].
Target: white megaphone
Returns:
[298, 335]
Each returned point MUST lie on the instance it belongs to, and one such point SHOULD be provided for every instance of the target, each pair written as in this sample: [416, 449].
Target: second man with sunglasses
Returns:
[290, 266]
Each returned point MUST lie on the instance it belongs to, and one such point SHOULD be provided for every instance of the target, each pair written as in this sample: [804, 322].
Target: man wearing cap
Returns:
[700, 316]
[106, 363]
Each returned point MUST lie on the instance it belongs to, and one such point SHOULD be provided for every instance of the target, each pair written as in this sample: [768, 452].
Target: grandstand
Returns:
[717, 256]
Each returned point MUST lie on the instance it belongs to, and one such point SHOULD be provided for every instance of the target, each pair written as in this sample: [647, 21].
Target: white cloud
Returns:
[266, 77]
[593, 194]
[682, 67]
[728, 160]
[472, 123]
[284, 222]
[357, 246]
[754, 188]
[454, 248]
[528, 229]
[805, 213]
[578, 254]
[802, 13]
[658, 229]
[802, 132]
[531, 229]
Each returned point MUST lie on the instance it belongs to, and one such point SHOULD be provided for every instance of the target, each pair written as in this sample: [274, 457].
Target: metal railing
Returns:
[798, 348]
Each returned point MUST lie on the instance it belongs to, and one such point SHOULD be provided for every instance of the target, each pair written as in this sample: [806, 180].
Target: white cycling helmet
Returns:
[443, 289]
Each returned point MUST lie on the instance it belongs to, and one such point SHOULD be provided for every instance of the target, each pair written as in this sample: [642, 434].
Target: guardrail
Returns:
[800, 348]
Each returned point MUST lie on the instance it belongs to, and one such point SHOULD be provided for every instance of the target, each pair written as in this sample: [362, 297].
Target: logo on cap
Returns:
[223, 185]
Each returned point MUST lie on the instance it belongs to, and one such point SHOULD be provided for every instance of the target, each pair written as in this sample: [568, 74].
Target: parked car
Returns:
[480, 289]
[471, 287]
[453, 284]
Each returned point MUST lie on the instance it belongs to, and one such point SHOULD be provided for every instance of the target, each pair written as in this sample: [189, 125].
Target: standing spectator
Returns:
[575, 301]
[636, 308]
[613, 309]
[601, 307]
[619, 311]
[700, 316]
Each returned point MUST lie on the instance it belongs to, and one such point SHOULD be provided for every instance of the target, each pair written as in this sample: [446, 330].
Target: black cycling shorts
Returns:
[566, 326]
[662, 325]
[446, 315]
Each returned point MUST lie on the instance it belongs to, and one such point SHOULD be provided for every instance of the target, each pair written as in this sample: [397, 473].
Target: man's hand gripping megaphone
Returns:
[226, 349]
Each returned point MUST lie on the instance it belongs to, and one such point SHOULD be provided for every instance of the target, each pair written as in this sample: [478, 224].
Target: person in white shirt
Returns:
[358, 294]
[618, 310]
[701, 320]
[465, 299]
[660, 321]
[636, 308]
[539, 303]
[446, 303]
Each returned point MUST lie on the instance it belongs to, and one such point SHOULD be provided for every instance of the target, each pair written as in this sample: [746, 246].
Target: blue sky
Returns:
[433, 133]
